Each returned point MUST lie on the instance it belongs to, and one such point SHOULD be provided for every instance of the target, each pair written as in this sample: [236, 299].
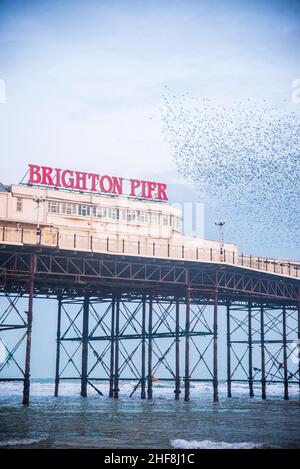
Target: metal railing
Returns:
[116, 244]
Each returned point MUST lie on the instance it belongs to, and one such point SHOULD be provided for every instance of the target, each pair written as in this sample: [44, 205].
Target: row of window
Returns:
[135, 216]
[19, 204]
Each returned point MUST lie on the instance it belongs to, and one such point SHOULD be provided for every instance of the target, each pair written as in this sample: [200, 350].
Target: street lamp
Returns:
[221, 224]
[38, 201]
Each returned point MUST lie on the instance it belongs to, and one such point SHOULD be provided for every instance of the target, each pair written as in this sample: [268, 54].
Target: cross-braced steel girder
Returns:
[58, 270]
[141, 338]
[12, 318]
[139, 319]
[261, 342]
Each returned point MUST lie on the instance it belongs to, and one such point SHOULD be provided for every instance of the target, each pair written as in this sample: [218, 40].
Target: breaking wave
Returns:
[207, 444]
[20, 441]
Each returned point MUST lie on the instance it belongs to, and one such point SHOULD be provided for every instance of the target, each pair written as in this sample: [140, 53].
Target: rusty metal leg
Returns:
[285, 364]
[215, 344]
[117, 319]
[85, 344]
[262, 344]
[112, 348]
[250, 350]
[229, 394]
[58, 347]
[26, 386]
[149, 391]
[177, 356]
[143, 370]
[187, 344]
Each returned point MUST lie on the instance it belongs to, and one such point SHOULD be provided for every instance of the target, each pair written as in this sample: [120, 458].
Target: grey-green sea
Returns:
[70, 421]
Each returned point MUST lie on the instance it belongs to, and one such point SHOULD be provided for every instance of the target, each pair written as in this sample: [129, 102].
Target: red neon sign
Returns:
[90, 182]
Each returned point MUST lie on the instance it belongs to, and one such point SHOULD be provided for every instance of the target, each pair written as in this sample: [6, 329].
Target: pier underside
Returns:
[139, 319]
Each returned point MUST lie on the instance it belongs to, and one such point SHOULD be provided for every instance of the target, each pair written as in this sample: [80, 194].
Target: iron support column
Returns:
[112, 348]
[228, 351]
[177, 364]
[143, 370]
[285, 364]
[116, 377]
[26, 385]
[149, 391]
[57, 347]
[250, 350]
[215, 342]
[298, 346]
[85, 345]
[262, 344]
[187, 341]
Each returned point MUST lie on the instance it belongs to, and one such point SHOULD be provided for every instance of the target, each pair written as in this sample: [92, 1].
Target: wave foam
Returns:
[202, 391]
[207, 444]
[20, 441]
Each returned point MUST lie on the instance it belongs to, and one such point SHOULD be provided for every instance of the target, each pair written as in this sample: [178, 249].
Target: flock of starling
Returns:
[244, 160]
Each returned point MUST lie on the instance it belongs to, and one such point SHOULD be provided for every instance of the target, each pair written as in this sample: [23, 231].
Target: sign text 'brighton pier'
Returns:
[91, 182]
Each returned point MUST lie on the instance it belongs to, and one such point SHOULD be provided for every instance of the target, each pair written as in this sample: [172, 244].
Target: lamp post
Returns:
[221, 224]
[38, 201]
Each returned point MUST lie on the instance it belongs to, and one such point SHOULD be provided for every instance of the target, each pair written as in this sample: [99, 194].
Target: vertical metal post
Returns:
[262, 344]
[26, 385]
[116, 377]
[187, 339]
[228, 351]
[177, 356]
[149, 391]
[285, 369]
[58, 346]
[85, 345]
[112, 347]
[298, 346]
[143, 370]
[250, 350]
[215, 342]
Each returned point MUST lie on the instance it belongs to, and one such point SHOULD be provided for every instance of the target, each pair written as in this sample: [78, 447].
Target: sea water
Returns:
[70, 421]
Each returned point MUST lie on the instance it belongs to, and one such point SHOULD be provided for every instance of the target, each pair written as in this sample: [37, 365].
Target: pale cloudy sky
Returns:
[85, 80]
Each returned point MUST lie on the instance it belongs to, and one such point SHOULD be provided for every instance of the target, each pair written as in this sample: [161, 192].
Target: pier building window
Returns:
[165, 219]
[68, 209]
[99, 212]
[131, 215]
[114, 213]
[19, 204]
[84, 210]
[177, 223]
[141, 216]
[155, 218]
[53, 207]
[122, 214]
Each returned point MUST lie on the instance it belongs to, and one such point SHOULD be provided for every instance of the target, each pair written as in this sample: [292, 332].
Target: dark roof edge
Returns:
[4, 188]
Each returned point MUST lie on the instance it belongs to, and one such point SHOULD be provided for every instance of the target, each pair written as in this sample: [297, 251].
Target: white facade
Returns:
[63, 214]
